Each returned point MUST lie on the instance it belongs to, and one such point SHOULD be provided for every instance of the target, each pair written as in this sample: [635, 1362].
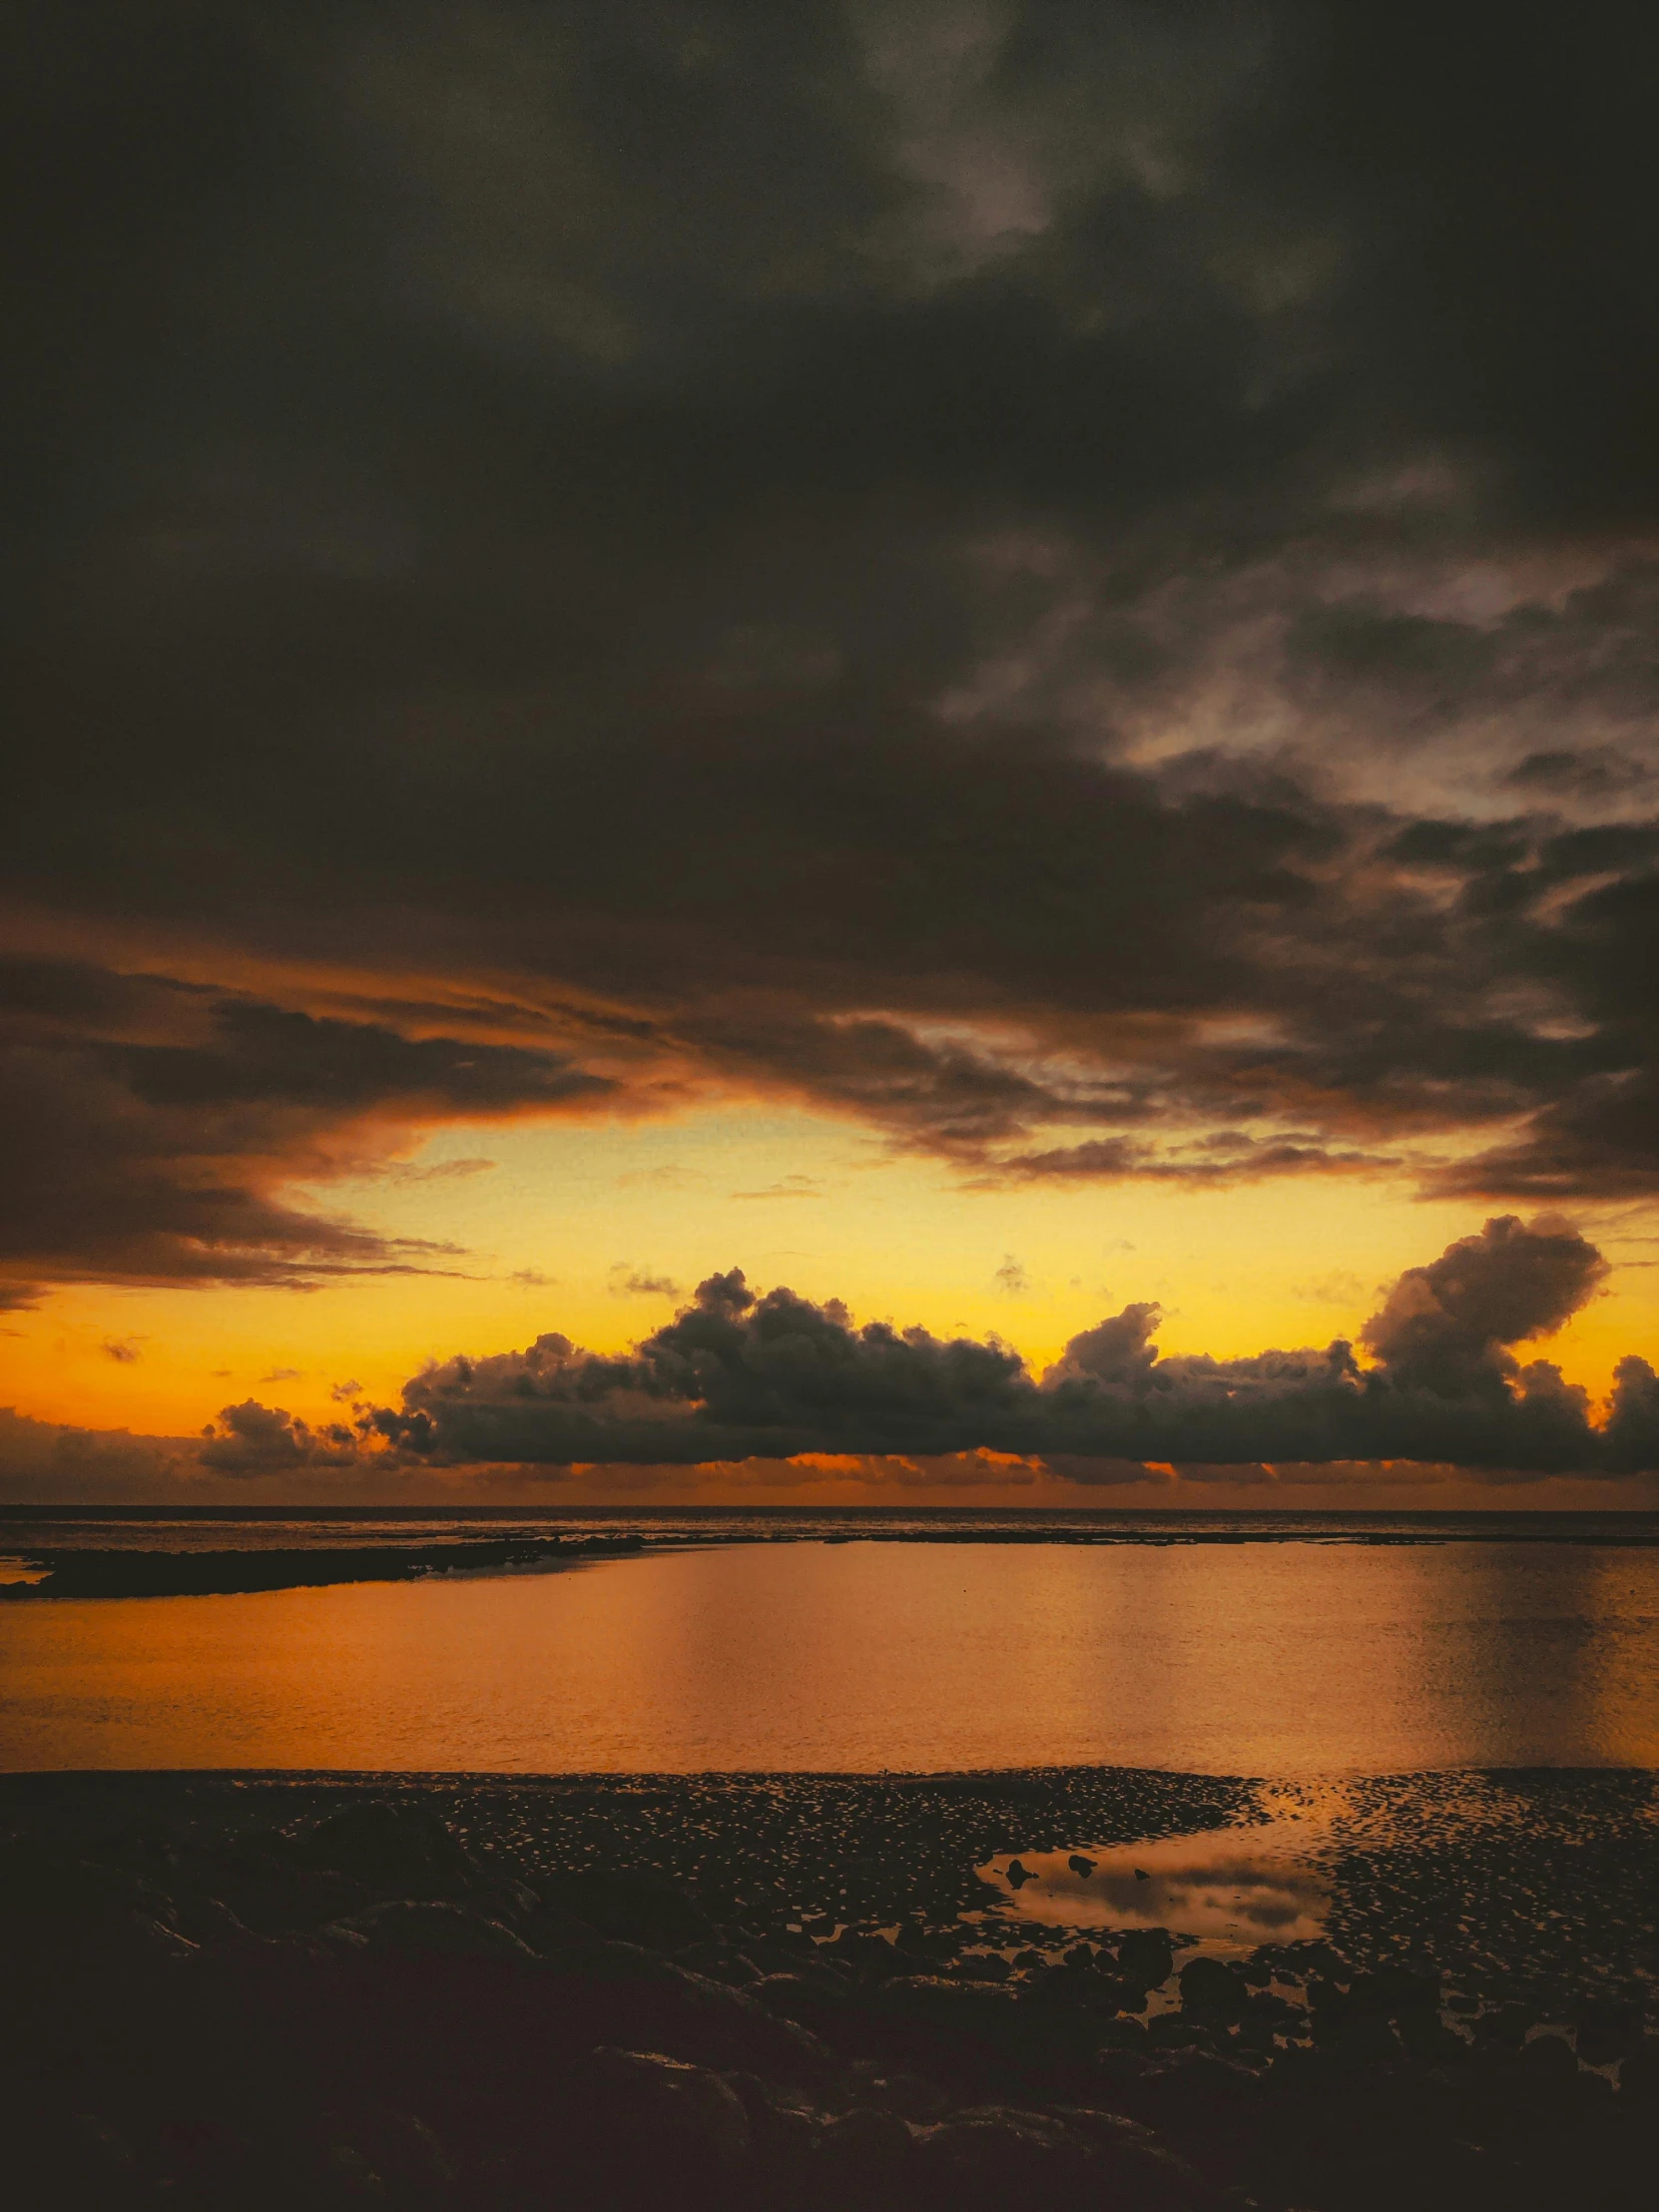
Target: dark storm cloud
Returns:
[1224, 1156]
[1072, 583]
[736, 1376]
[146, 1126]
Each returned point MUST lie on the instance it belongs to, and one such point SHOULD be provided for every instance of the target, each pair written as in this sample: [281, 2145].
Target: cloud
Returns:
[1221, 1157]
[441, 1171]
[1011, 1279]
[627, 1281]
[281, 1374]
[151, 1127]
[1447, 1326]
[254, 1439]
[1339, 1287]
[49, 1460]
[738, 1376]
[1066, 622]
[122, 1349]
[668, 1175]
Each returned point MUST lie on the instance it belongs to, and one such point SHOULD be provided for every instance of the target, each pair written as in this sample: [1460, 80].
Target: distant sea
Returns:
[233, 1528]
[774, 1639]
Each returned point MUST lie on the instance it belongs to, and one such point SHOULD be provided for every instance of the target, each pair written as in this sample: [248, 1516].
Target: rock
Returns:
[1018, 1874]
[632, 1909]
[813, 1999]
[37, 1882]
[993, 2159]
[647, 2005]
[1639, 2075]
[1605, 2033]
[1199, 2090]
[873, 1958]
[205, 1920]
[1503, 2028]
[983, 1966]
[135, 1940]
[1147, 1956]
[971, 2007]
[1211, 1991]
[907, 2096]
[1424, 2035]
[407, 2155]
[396, 1850]
[1396, 1992]
[89, 2160]
[339, 1936]
[406, 1925]
[864, 2158]
[670, 2116]
[514, 1903]
[209, 2164]
[717, 1959]
[1120, 1995]
[574, 1947]
[781, 2138]
[339, 2175]
[1547, 2063]
[1137, 2169]
[273, 1898]
[1363, 2038]
[1080, 1865]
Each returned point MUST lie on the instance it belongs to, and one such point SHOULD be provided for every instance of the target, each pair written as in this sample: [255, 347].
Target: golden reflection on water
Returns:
[1229, 1888]
[1258, 1659]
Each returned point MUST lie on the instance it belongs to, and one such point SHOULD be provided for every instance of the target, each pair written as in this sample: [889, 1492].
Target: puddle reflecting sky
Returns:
[1230, 1889]
[1225, 1889]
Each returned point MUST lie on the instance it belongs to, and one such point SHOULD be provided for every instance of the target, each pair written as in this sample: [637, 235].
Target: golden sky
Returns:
[600, 1231]
[977, 676]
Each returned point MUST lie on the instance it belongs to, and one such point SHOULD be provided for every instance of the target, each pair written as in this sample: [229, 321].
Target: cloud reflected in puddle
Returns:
[1229, 1888]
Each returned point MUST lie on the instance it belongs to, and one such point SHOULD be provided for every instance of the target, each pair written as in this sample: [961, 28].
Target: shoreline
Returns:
[1533, 1878]
[36, 1571]
[474, 1993]
[101, 1573]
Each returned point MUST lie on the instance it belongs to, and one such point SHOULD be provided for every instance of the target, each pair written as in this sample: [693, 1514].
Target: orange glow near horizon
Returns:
[556, 1225]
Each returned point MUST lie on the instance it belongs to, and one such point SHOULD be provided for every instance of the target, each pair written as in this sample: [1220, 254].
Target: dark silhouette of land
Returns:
[131, 1574]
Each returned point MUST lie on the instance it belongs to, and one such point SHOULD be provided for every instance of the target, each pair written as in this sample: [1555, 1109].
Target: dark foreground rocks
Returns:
[352, 2008]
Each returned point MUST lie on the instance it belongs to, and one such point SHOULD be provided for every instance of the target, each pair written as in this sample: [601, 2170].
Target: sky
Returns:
[992, 664]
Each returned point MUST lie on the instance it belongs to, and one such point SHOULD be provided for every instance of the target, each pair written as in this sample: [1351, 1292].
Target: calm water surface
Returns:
[1289, 1658]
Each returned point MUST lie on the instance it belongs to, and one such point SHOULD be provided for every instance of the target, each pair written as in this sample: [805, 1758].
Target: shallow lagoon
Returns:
[1289, 1659]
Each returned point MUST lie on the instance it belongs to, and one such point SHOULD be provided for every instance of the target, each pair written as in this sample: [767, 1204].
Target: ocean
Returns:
[1244, 1644]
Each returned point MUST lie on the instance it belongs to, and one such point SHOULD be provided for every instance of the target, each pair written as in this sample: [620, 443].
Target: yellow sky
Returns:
[567, 1213]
